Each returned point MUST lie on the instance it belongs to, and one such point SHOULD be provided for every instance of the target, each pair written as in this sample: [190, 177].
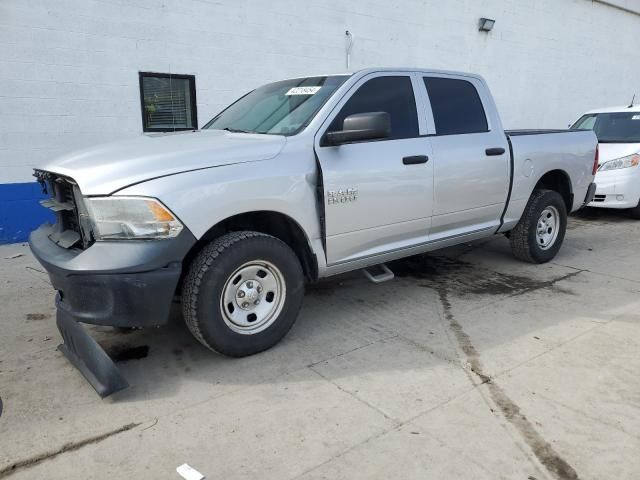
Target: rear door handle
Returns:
[415, 159]
[492, 152]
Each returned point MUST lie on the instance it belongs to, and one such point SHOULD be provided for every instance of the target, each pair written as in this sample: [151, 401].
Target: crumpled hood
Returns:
[104, 169]
[611, 151]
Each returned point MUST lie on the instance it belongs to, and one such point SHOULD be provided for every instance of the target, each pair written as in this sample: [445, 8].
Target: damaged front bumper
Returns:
[86, 355]
[117, 283]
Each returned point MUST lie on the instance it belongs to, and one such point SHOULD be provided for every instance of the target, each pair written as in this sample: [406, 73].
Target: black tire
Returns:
[209, 272]
[523, 238]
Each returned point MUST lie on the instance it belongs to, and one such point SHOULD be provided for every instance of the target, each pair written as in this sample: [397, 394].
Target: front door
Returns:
[378, 194]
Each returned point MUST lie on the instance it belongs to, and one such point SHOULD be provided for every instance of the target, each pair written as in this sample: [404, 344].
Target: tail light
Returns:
[596, 160]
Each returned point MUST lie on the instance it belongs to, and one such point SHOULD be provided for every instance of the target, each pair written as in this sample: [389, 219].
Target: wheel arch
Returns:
[559, 181]
[270, 222]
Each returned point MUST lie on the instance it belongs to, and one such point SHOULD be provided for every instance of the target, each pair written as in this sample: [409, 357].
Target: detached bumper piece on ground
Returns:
[88, 357]
[119, 284]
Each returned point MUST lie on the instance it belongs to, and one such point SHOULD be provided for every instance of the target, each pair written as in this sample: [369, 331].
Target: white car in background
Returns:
[618, 175]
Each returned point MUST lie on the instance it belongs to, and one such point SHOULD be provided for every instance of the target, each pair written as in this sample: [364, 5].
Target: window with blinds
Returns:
[168, 102]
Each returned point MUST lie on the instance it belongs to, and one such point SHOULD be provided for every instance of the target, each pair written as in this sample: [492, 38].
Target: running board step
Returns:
[378, 273]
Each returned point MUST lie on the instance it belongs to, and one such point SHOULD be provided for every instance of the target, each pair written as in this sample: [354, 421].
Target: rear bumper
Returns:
[591, 191]
[121, 284]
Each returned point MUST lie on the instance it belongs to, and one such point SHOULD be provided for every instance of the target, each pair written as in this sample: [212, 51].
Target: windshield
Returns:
[280, 108]
[619, 127]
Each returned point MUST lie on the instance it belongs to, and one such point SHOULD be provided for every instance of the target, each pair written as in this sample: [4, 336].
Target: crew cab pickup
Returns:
[297, 180]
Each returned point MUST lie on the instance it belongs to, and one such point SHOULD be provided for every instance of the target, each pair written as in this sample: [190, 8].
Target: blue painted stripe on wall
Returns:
[20, 212]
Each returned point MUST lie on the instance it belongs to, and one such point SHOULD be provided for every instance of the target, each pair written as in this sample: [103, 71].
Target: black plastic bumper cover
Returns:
[591, 191]
[123, 284]
[86, 355]
[119, 284]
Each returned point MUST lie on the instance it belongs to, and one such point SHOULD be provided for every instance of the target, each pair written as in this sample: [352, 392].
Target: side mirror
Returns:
[359, 127]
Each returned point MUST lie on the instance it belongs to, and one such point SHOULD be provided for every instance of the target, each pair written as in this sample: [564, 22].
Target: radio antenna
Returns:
[632, 101]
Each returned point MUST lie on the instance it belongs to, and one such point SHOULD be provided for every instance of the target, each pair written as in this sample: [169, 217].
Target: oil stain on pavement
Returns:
[463, 278]
[446, 275]
[123, 353]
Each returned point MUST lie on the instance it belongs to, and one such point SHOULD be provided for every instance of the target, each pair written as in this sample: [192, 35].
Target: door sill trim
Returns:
[411, 247]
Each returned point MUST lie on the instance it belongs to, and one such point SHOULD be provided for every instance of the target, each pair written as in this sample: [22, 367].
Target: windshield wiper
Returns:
[237, 130]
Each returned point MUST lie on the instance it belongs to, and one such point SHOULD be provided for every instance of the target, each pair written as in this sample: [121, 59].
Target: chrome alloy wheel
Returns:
[548, 227]
[253, 297]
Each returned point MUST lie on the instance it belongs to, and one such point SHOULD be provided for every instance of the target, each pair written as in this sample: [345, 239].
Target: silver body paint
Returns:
[375, 208]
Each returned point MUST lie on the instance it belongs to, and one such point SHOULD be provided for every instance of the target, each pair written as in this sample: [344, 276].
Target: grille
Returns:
[65, 201]
[599, 198]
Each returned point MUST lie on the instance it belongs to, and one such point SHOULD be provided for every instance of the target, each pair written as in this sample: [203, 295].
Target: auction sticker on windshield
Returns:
[302, 90]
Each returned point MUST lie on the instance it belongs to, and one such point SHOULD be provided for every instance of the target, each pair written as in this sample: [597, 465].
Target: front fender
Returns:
[202, 199]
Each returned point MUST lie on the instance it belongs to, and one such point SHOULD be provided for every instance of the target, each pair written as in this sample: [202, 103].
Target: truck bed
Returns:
[536, 151]
[536, 131]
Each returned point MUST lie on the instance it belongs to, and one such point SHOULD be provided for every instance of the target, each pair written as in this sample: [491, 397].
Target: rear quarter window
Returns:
[456, 106]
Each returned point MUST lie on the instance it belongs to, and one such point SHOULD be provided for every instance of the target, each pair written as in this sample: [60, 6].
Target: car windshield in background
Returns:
[280, 108]
[619, 127]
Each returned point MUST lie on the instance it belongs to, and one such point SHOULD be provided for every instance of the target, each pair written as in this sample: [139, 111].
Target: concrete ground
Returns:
[470, 364]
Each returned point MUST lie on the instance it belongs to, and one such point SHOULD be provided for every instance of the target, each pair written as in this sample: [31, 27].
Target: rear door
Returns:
[470, 156]
[378, 194]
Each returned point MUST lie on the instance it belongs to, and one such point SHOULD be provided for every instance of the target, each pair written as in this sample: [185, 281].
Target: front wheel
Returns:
[539, 234]
[242, 293]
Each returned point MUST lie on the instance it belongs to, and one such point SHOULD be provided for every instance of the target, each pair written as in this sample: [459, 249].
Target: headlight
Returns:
[624, 162]
[115, 218]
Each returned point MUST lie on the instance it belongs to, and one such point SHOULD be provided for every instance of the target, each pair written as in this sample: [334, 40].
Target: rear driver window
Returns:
[456, 106]
[393, 95]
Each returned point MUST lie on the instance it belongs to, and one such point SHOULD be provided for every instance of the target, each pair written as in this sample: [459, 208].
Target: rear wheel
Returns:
[539, 234]
[242, 293]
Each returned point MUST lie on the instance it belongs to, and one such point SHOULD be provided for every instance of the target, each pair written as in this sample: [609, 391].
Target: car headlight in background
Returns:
[624, 162]
[115, 218]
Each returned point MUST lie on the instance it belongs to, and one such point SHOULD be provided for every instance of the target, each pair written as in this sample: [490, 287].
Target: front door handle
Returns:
[493, 152]
[415, 159]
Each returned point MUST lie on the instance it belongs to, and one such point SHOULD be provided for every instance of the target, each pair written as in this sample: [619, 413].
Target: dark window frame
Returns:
[192, 94]
[354, 90]
[488, 129]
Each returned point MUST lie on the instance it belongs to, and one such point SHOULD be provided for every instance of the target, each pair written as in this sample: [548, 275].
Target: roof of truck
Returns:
[393, 69]
[624, 108]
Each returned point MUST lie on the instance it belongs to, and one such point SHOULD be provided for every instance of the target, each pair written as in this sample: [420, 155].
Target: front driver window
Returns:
[393, 95]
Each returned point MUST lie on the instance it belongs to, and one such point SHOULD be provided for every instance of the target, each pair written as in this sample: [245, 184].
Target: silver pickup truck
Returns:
[297, 180]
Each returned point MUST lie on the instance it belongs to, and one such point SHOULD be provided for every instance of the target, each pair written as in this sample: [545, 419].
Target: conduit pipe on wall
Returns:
[349, 45]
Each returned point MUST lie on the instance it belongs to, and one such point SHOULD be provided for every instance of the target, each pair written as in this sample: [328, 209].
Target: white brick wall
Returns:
[69, 68]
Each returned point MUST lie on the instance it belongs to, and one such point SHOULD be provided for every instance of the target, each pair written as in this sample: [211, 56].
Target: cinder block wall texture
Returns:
[69, 68]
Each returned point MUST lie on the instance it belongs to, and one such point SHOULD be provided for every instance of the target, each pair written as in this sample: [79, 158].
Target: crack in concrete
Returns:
[67, 447]
[593, 272]
[542, 449]
[551, 349]
[395, 421]
[347, 352]
[601, 420]
[432, 351]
